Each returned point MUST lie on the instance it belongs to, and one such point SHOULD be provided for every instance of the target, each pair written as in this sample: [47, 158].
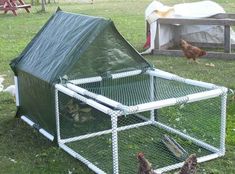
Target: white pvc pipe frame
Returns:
[99, 78]
[16, 91]
[147, 106]
[41, 130]
[160, 104]
[178, 165]
[142, 107]
[154, 72]
[65, 147]
[98, 106]
[72, 91]
[81, 158]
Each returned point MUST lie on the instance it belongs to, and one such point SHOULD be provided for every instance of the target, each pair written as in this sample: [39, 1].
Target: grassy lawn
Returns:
[23, 150]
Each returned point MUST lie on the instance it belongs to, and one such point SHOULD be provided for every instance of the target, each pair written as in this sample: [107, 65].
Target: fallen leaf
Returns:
[12, 160]
[210, 64]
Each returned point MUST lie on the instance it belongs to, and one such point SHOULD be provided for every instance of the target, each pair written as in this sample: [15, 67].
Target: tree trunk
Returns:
[43, 5]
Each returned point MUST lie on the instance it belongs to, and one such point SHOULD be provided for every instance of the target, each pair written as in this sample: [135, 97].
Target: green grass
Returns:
[22, 150]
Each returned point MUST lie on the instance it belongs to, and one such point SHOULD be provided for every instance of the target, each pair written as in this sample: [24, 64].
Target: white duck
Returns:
[10, 89]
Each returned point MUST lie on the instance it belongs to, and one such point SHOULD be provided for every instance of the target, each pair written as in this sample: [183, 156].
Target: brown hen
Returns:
[190, 51]
[145, 167]
[190, 165]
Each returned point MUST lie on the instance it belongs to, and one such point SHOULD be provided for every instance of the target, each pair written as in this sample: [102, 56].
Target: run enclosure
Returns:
[131, 111]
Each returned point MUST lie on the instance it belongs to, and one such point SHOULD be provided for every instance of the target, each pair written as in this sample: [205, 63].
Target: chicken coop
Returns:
[81, 84]
[205, 25]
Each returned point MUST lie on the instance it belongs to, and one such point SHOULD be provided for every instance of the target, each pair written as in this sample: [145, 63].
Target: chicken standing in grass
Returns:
[145, 167]
[191, 52]
[190, 165]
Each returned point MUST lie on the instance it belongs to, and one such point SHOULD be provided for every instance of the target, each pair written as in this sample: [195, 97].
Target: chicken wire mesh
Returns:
[148, 139]
[78, 118]
[135, 90]
[200, 120]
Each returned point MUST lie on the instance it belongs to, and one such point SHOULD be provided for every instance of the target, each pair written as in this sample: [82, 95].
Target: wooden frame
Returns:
[13, 5]
[226, 20]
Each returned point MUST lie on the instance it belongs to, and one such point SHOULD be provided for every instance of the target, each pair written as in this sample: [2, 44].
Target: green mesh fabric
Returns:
[77, 46]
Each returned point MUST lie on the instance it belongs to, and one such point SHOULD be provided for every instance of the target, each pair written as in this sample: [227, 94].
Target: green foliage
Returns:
[23, 150]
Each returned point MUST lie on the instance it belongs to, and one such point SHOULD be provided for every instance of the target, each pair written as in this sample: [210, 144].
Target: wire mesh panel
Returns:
[137, 89]
[200, 120]
[149, 140]
[110, 138]
[79, 125]
[78, 118]
[98, 150]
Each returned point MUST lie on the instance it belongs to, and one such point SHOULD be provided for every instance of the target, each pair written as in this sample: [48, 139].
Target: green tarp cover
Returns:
[77, 46]
[68, 44]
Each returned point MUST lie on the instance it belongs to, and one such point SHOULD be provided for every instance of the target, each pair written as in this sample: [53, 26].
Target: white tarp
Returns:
[193, 33]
